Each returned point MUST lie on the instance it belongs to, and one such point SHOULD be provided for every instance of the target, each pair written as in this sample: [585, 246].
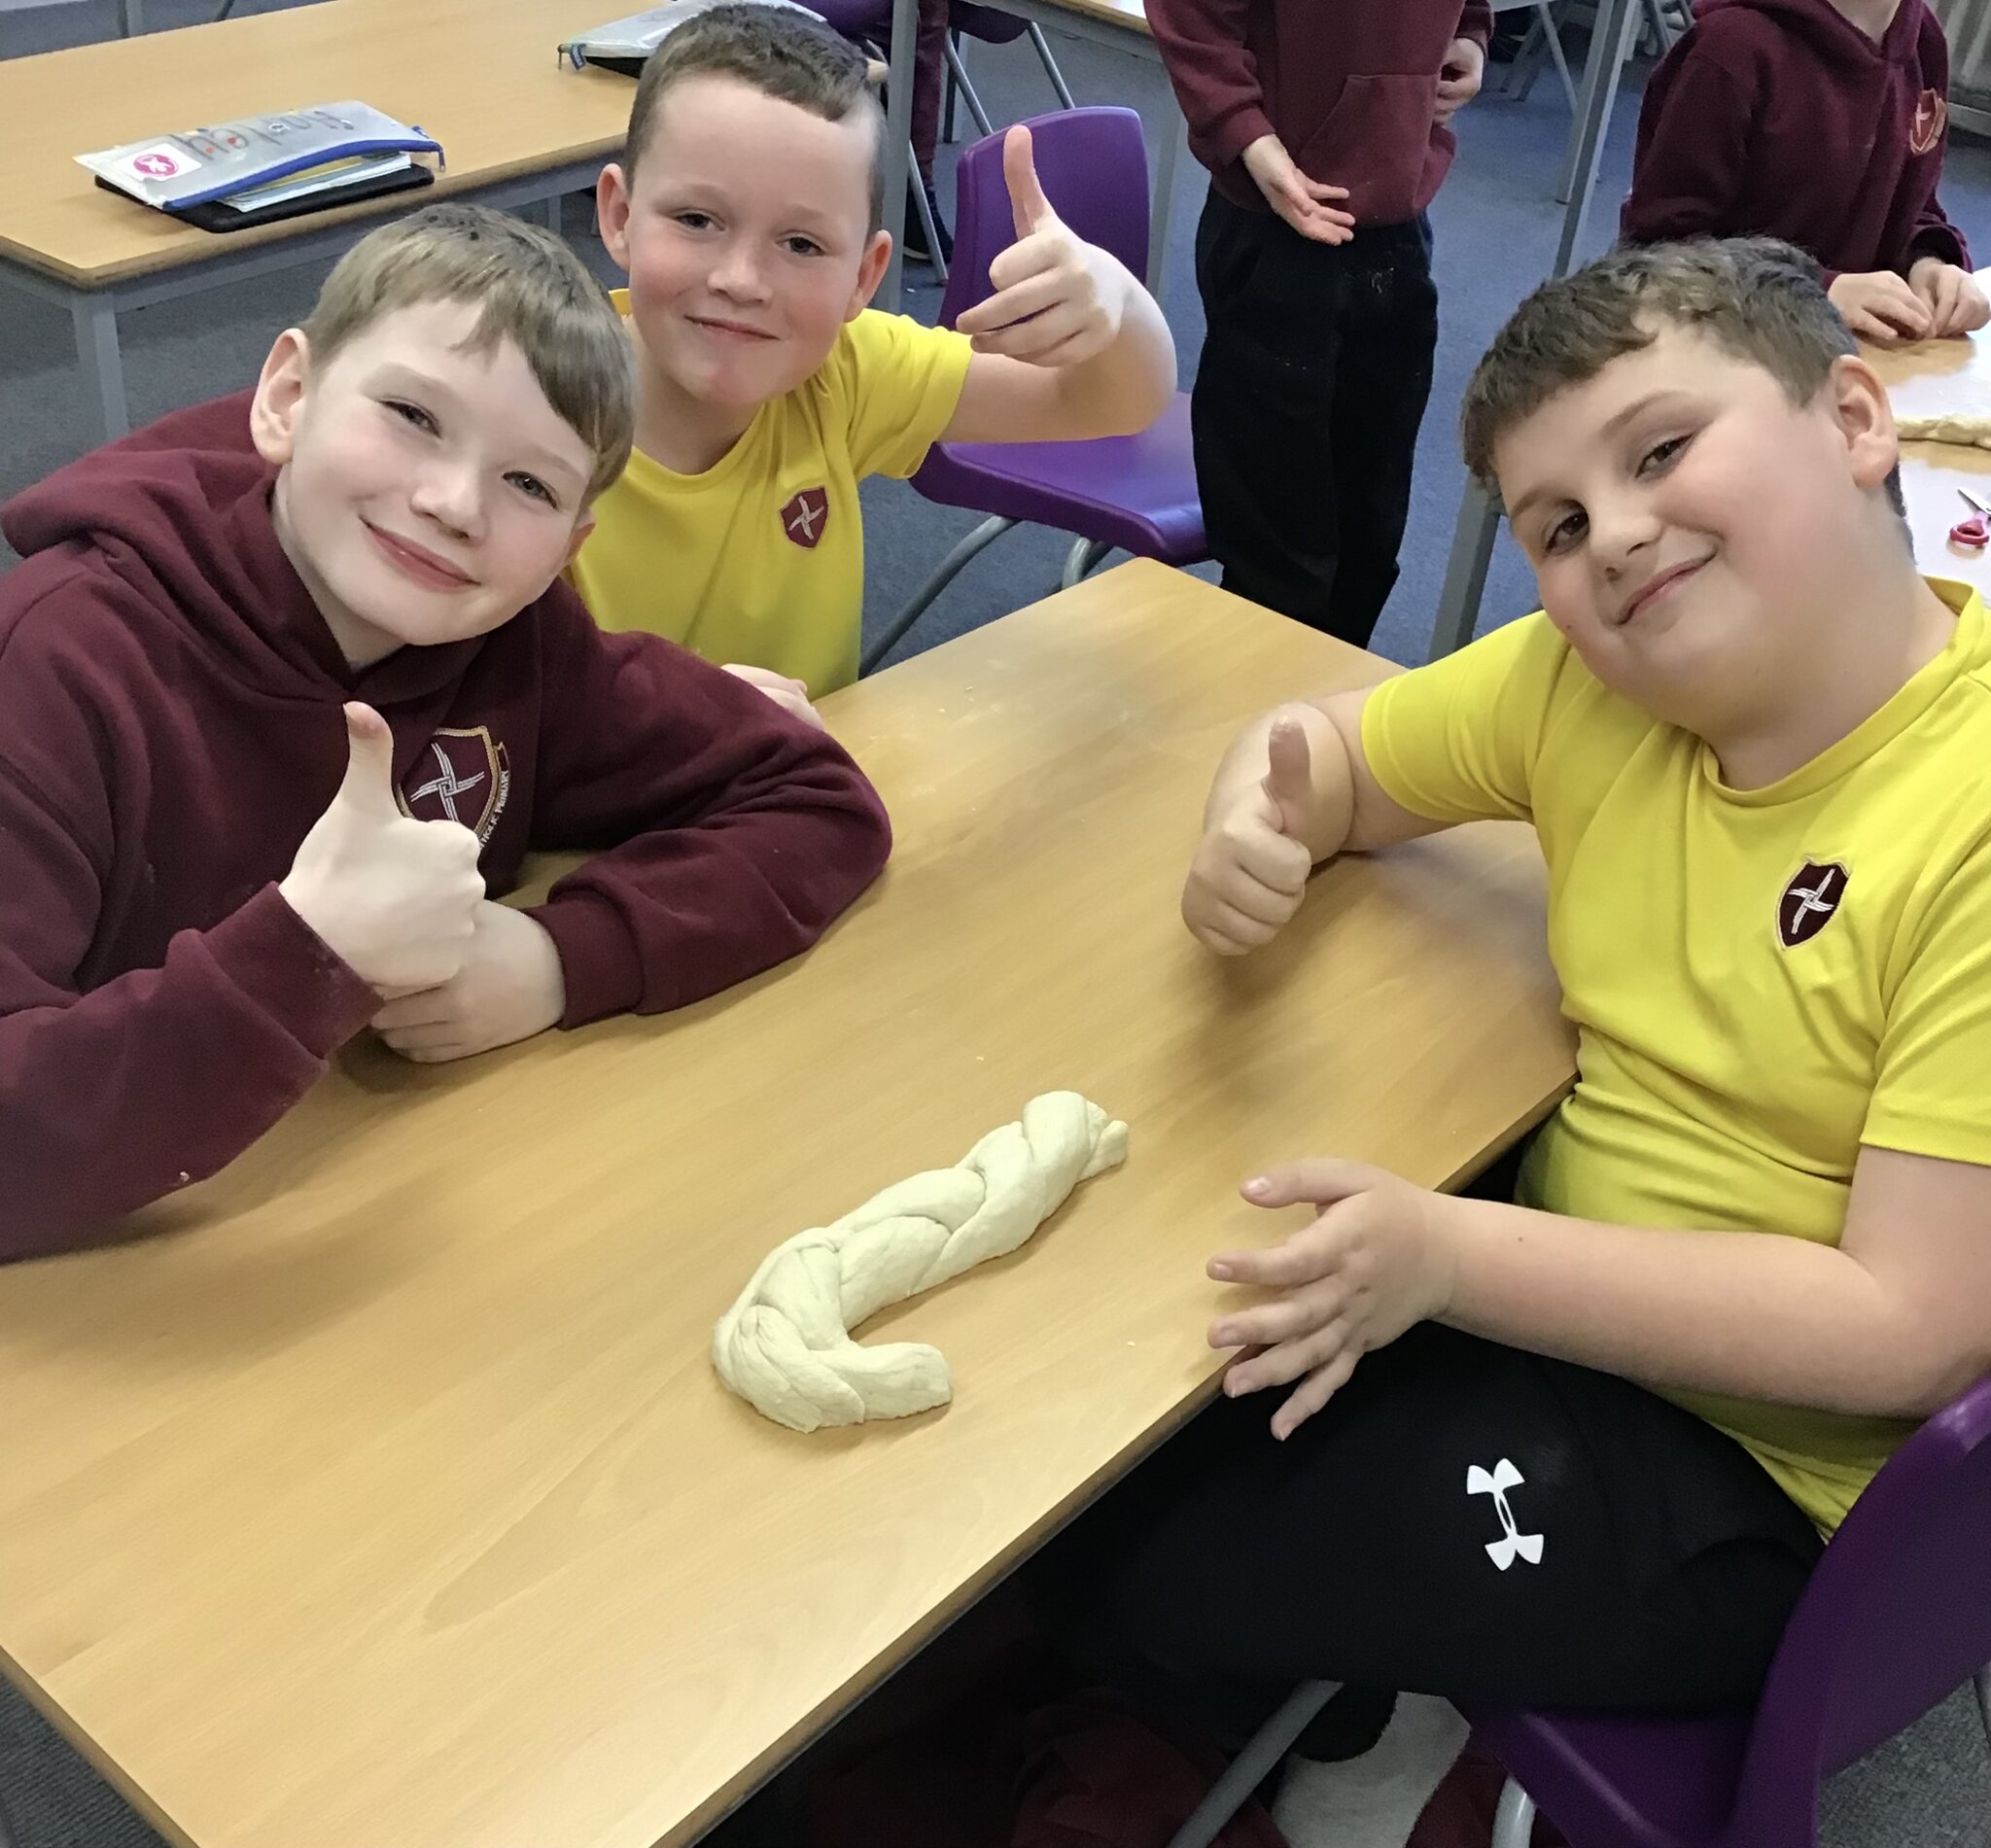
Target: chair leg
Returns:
[959, 72]
[924, 206]
[944, 574]
[1080, 560]
[1248, 1770]
[1050, 64]
[1514, 1822]
[952, 94]
[1547, 16]
[1520, 81]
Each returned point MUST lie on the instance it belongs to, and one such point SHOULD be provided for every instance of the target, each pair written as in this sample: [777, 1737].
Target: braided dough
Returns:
[784, 1347]
[1971, 432]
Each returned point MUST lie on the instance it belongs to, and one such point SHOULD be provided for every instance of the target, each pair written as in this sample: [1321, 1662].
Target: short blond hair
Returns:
[531, 289]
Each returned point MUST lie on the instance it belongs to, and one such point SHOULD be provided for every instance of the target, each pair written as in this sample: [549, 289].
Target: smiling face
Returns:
[427, 492]
[1687, 519]
[745, 230]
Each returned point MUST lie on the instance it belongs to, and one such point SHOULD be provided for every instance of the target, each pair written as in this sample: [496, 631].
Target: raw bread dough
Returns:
[1956, 427]
[784, 1347]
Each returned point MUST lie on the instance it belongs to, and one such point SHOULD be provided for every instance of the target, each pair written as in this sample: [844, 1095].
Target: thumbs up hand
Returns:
[396, 898]
[1059, 300]
[1249, 871]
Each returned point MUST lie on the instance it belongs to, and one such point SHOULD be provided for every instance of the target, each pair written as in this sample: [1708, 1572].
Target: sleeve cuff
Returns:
[598, 957]
[1227, 140]
[292, 973]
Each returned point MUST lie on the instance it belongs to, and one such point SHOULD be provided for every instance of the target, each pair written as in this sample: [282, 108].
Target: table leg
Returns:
[898, 129]
[1465, 571]
[132, 17]
[546, 212]
[95, 318]
[1173, 139]
[1613, 33]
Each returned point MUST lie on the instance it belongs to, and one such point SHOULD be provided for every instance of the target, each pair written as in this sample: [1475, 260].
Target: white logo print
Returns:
[1514, 1542]
[448, 785]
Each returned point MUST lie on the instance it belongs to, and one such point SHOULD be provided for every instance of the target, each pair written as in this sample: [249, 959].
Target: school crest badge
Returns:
[462, 775]
[1811, 902]
[806, 517]
[1931, 118]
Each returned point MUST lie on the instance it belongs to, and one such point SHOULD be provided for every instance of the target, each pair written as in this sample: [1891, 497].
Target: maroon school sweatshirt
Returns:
[170, 728]
[1781, 117]
[1348, 86]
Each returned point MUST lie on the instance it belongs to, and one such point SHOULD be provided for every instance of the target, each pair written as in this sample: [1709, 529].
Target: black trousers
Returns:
[1312, 382]
[1461, 1519]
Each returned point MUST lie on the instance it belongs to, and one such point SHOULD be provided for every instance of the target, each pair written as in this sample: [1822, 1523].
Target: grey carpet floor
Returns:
[1496, 227]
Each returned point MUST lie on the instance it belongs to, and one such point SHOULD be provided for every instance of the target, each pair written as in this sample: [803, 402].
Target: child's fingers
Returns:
[1017, 295]
[1034, 338]
[1870, 326]
[1306, 1257]
[1287, 1362]
[1294, 1317]
[1243, 927]
[425, 1007]
[422, 1043]
[1274, 862]
[1314, 1392]
[1312, 1181]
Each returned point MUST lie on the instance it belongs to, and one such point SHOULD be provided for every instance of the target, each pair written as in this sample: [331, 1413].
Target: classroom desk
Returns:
[1936, 378]
[395, 1500]
[517, 126]
[1121, 25]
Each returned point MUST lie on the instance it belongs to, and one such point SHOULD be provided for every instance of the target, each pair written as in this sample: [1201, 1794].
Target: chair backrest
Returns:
[1896, 1614]
[990, 24]
[1093, 163]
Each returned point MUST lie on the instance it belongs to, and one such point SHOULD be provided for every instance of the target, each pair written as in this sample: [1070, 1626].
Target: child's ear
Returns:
[1866, 420]
[582, 527]
[280, 393]
[870, 273]
[611, 210]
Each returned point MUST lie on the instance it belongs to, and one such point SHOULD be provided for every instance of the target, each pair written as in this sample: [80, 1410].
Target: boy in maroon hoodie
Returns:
[1325, 132]
[291, 685]
[1821, 122]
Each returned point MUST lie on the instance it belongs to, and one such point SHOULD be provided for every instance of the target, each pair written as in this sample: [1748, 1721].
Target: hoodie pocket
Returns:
[1378, 141]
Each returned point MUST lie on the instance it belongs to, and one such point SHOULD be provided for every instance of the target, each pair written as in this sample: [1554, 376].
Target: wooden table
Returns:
[481, 76]
[1934, 378]
[396, 1500]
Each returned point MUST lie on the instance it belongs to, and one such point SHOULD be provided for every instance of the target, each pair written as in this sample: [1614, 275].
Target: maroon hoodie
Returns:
[1348, 86]
[170, 728]
[1781, 117]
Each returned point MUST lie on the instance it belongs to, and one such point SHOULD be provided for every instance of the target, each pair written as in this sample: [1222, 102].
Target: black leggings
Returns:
[1463, 1518]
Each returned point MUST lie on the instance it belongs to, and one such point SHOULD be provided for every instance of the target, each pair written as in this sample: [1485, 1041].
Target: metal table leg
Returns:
[1479, 516]
[94, 316]
[1175, 138]
[898, 129]
[132, 17]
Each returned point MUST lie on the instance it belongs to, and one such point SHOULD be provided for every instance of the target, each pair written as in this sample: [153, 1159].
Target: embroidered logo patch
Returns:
[462, 775]
[1809, 901]
[1932, 117]
[806, 517]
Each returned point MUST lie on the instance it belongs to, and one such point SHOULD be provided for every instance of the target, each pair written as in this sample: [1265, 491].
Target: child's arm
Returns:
[1894, 1322]
[114, 1098]
[732, 834]
[1691, 155]
[1294, 789]
[1070, 345]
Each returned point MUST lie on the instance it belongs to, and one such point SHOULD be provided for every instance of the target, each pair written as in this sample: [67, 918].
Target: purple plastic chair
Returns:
[1896, 1614]
[1138, 493]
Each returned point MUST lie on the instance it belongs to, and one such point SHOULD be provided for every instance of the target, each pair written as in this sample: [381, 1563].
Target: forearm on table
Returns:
[1756, 1316]
[1249, 758]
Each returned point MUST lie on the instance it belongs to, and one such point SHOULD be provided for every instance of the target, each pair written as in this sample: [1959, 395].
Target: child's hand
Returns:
[1879, 306]
[1249, 871]
[1378, 1260]
[790, 695]
[1059, 300]
[1307, 205]
[510, 986]
[1956, 305]
[1459, 83]
[394, 897]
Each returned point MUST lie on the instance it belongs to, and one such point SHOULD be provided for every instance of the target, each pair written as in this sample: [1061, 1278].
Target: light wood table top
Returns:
[481, 76]
[1935, 378]
[1132, 14]
[395, 1499]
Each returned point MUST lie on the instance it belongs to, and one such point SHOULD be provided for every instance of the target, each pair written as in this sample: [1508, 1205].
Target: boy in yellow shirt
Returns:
[746, 211]
[1576, 1452]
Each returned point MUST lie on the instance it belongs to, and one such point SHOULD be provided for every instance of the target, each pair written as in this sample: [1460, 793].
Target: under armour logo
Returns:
[1513, 1544]
[805, 517]
[1808, 903]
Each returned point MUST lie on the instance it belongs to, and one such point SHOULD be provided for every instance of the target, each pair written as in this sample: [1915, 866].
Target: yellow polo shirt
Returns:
[1762, 980]
[760, 559]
